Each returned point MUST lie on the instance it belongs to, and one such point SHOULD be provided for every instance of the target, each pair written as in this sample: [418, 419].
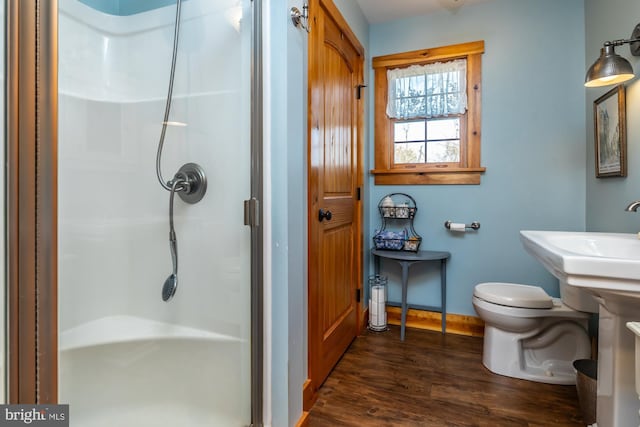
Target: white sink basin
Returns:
[605, 263]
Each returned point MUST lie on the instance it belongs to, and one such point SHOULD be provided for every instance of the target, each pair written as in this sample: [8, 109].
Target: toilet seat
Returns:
[559, 309]
[514, 295]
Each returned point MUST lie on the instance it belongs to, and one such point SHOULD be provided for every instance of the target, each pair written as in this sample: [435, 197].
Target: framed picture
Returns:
[611, 133]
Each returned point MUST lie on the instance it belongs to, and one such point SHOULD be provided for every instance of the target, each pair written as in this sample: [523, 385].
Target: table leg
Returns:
[405, 284]
[376, 264]
[443, 290]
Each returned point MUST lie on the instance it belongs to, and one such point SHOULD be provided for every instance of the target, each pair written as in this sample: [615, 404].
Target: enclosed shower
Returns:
[134, 349]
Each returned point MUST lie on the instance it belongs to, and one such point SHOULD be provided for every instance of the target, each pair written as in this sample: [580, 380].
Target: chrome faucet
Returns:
[633, 206]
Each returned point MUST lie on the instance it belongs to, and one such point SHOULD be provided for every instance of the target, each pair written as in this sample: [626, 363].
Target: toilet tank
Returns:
[577, 298]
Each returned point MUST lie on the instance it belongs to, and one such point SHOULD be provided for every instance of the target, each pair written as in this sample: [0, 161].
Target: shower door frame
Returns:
[31, 201]
[32, 204]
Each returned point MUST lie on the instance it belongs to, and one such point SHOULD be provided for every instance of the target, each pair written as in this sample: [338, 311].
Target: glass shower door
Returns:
[126, 357]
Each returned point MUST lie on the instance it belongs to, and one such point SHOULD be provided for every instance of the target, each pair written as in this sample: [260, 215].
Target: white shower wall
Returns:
[113, 215]
[127, 58]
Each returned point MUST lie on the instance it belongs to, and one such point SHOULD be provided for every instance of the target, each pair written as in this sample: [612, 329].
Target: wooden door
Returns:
[335, 178]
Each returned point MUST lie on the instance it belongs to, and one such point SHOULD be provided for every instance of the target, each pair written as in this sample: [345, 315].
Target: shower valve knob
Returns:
[195, 183]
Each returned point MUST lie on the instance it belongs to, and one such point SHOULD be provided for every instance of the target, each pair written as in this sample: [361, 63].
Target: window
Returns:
[427, 141]
[427, 116]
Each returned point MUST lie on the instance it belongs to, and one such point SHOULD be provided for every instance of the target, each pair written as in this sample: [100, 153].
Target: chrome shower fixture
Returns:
[194, 183]
[171, 283]
[190, 182]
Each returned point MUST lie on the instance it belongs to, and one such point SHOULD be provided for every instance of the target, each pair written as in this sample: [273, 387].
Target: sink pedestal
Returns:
[617, 401]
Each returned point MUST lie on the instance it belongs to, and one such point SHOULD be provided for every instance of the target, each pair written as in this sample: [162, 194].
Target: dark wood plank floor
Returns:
[432, 379]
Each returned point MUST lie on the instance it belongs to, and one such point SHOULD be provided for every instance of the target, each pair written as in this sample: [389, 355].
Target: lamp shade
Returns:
[609, 69]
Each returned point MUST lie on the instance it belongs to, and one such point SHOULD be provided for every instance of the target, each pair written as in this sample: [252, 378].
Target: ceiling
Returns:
[377, 11]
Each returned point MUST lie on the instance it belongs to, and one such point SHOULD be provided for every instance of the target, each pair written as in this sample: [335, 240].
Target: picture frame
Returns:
[610, 127]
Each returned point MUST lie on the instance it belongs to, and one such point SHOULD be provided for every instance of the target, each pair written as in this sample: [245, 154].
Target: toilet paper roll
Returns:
[377, 294]
[372, 315]
[377, 314]
[457, 226]
[378, 320]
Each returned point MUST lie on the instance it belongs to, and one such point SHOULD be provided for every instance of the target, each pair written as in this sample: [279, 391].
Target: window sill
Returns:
[448, 176]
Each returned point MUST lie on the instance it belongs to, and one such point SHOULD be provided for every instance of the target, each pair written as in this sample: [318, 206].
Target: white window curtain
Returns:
[425, 91]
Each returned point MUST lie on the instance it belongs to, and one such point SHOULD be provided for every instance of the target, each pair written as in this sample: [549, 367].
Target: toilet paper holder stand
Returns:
[475, 225]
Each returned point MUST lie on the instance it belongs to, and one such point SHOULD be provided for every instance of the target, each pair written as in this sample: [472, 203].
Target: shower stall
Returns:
[127, 356]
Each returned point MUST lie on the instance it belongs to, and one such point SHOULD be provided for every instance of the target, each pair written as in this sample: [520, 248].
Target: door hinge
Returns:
[252, 212]
[358, 294]
[358, 193]
[359, 90]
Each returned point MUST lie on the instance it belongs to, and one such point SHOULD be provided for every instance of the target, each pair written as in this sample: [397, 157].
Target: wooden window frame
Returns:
[468, 170]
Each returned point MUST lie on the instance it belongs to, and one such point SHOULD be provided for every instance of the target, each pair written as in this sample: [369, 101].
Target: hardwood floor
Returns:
[432, 379]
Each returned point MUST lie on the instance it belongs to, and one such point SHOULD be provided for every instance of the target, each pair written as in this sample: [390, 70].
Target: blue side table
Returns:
[406, 260]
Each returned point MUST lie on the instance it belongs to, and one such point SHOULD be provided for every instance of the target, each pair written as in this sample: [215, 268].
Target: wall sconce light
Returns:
[612, 68]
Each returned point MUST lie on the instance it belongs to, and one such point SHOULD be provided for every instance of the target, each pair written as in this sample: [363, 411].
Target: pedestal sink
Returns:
[607, 265]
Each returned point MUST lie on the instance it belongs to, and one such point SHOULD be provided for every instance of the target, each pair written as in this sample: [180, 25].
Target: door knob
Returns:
[322, 214]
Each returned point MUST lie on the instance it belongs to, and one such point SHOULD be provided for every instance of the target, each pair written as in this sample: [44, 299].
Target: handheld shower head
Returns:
[171, 284]
[169, 287]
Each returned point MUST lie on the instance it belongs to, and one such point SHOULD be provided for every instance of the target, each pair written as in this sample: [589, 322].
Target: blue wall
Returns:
[286, 176]
[532, 144]
[284, 60]
[607, 197]
[296, 150]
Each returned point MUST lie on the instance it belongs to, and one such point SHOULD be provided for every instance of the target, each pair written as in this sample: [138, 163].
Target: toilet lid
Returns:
[513, 295]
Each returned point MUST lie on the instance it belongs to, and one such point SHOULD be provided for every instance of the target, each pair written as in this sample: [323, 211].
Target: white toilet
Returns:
[529, 334]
